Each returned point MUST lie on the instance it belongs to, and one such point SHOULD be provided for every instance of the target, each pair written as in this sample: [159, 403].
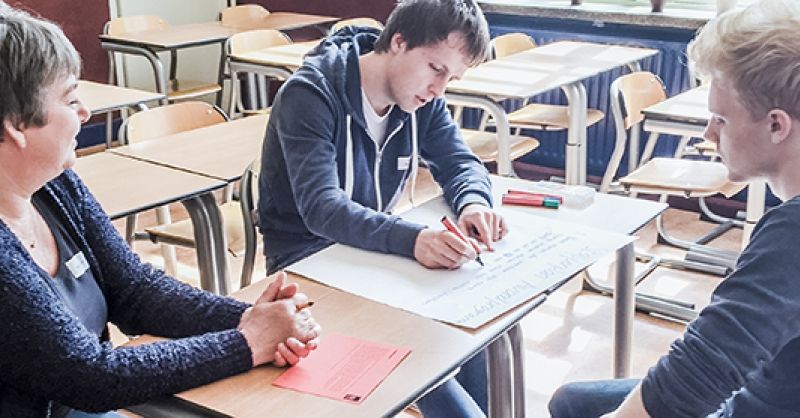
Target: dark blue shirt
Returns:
[744, 348]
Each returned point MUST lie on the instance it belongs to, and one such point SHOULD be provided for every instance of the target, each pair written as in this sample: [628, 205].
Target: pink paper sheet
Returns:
[343, 368]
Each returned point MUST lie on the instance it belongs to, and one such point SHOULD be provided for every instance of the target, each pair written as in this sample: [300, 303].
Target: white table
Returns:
[556, 65]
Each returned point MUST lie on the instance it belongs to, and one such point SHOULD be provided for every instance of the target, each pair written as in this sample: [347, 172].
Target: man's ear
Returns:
[780, 125]
[398, 43]
[14, 134]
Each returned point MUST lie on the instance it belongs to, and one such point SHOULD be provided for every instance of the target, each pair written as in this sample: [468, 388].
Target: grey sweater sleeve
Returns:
[753, 314]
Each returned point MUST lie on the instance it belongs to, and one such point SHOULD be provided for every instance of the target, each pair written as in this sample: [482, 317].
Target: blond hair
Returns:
[758, 50]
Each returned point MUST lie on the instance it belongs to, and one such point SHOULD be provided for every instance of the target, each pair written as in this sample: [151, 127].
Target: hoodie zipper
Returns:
[377, 168]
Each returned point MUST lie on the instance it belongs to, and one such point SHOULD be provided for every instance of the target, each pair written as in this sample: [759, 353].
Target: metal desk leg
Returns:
[576, 135]
[504, 167]
[501, 381]
[756, 192]
[209, 238]
[155, 62]
[623, 312]
[518, 352]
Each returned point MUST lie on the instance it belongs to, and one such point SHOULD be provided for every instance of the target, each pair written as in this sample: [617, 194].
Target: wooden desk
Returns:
[557, 65]
[220, 151]
[687, 114]
[289, 21]
[147, 43]
[146, 186]
[104, 98]
[101, 98]
[437, 350]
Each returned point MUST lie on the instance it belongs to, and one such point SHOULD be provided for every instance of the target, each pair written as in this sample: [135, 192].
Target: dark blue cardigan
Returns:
[47, 355]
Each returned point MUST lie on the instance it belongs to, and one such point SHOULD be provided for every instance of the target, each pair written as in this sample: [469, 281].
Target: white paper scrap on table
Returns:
[537, 254]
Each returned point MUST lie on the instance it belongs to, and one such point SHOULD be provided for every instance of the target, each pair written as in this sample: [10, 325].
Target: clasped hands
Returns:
[275, 329]
[443, 249]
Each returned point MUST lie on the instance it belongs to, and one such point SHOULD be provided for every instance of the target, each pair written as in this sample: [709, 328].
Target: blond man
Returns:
[741, 356]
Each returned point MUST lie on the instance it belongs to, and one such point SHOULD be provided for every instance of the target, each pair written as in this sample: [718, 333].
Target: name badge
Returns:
[77, 265]
[403, 163]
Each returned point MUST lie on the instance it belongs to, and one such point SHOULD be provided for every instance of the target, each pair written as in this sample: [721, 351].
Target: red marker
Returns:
[454, 229]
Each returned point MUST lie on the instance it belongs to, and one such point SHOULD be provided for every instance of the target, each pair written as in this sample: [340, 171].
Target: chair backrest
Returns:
[630, 94]
[169, 119]
[135, 23]
[246, 16]
[511, 43]
[254, 40]
[357, 21]
[248, 199]
[637, 90]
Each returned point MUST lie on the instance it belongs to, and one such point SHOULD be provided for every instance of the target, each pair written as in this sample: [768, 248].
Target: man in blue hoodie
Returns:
[346, 135]
[349, 127]
[741, 356]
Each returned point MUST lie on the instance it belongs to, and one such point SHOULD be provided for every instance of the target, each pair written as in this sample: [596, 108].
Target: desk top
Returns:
[177, 36]
[545, 68]
[124, 185]
[621, 214]
[437, 349]
[288, 56]
[290, 21]
[690, 106]
[195, 34]
[220, 151]
[100, 98]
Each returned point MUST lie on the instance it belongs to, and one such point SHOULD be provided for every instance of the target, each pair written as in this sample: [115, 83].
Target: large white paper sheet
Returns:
[537, 254]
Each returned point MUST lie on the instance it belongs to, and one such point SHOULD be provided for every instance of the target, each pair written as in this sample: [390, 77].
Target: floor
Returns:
[569, 337]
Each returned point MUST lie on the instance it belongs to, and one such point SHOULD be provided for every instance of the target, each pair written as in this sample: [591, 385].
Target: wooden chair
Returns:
[535, 116]
[357, 21]
[167, 120]
[484, 144]
[258, 85]
[177, 89]
[246, 16]
[666, 176]
[248, 199]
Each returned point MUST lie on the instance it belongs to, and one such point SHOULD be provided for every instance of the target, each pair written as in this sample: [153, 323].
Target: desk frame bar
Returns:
[623, 312]
[209, 238]
[504, 167]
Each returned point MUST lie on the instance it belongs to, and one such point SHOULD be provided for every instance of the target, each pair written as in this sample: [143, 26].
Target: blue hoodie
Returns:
[324, 180]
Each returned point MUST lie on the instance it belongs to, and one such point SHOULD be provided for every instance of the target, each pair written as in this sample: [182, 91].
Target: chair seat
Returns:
[548, 117]
[184, 89]
[484, 144]
[182, 233]
[253, 112]
[689, 178]
[706, 147]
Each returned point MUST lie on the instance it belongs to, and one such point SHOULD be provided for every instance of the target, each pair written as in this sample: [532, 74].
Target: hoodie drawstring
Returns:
[348, 165]
[349, 175]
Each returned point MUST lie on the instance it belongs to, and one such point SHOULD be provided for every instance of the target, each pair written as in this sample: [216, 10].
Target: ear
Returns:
[398, 43]
[780, 125]
[14, 134]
